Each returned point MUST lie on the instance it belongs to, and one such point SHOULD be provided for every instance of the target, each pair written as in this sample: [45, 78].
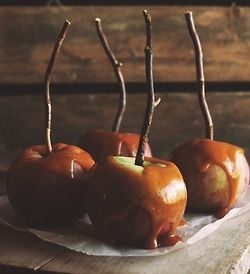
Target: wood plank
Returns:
[226, 251]
[19, 249]
[113, 88]
[28, 34]
[121, 3]
[177, 119]
[3, 183]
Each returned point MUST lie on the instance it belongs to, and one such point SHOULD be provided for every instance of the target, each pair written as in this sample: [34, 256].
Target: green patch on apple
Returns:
[129, 162]
[216, 175]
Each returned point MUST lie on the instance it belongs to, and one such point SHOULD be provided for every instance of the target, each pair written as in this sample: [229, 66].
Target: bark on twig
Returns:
[48, 75]
[200, 75]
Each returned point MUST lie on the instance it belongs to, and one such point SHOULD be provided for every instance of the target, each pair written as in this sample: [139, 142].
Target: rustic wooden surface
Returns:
[121, 3]
[25, 45]
[226, 251]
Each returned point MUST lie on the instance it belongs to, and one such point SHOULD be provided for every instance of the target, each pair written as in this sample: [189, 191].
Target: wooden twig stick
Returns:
[150, 91]
[48, 75]
[117, 70]
[200, 75]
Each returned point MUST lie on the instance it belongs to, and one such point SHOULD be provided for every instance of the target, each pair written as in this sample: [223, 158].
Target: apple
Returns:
[48, 189]
[136, 205]
[46, 183]
[216, 173]
[100, 143]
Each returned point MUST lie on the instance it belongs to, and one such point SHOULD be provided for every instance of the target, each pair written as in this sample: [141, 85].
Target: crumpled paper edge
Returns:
[82, 237]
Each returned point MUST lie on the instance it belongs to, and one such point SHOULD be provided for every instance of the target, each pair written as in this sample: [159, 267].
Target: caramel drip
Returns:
[168, 240]
[182, 222]
[206, 152]
[168, 213]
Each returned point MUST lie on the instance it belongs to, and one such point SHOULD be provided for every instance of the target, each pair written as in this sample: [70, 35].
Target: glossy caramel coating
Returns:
[48, 189]
[101, 144]
[134, 205]
[216, 174]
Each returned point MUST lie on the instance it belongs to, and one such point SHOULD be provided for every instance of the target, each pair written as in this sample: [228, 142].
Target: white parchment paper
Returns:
[82, 237]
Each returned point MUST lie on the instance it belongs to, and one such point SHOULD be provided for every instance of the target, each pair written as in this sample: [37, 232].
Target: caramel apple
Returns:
[46, 183]
[100, 143]
[137, 201]
[48, 189]
[136, 205]
[216, 173]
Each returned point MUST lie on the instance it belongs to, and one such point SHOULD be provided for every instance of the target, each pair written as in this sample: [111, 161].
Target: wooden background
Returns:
[25, 45]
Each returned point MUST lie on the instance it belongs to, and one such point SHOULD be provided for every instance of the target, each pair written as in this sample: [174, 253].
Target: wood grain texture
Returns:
[28, 34]
[121, 2]
[24, 250]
